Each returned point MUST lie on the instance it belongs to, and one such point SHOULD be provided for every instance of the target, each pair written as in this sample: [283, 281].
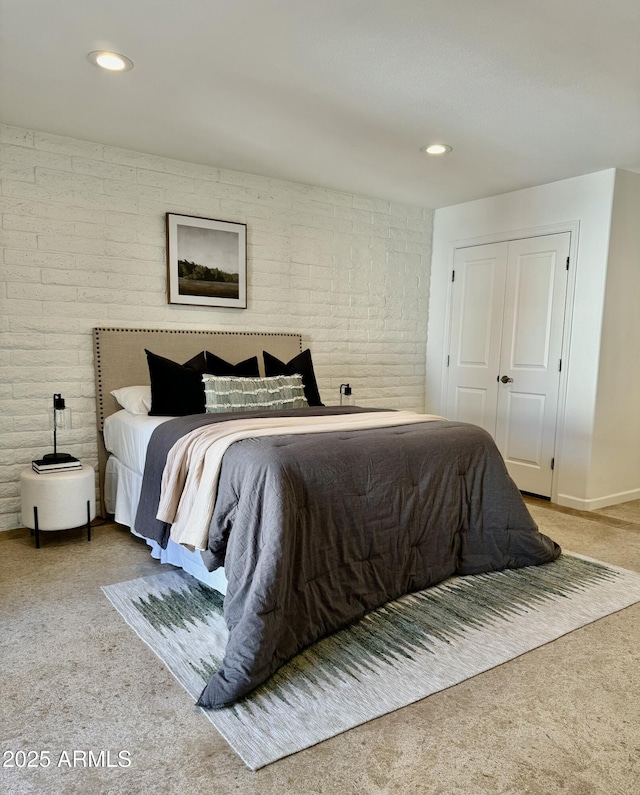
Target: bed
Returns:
[306, 518]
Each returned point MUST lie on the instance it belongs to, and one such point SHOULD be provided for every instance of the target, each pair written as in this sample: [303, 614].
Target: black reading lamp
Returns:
[59, 421]
[345, 395]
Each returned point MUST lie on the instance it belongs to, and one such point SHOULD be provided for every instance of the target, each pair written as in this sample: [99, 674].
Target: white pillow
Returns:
[134, 399]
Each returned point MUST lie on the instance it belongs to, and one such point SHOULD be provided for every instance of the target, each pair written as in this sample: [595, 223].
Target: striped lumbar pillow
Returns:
[231, 393]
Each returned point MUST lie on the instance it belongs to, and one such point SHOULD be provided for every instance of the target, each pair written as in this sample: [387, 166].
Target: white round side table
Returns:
[58, 500]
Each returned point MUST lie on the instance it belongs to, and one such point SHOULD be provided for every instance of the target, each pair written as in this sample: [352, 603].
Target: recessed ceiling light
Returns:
[436, 149]
[111, 61]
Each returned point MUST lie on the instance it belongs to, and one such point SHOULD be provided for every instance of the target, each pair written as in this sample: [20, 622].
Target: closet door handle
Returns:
[506, 380]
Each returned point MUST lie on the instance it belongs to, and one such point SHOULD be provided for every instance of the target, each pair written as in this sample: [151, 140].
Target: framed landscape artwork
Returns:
[207, 261]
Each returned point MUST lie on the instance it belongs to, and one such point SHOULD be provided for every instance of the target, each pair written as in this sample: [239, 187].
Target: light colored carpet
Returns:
[625, 511]
[403, 652]
[560, 720]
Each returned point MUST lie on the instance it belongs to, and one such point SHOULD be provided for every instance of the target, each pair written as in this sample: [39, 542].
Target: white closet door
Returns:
[530, 358]
[476, 331]
[505, 345]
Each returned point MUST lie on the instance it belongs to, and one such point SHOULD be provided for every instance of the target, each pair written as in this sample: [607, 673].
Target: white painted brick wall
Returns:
[83, 245]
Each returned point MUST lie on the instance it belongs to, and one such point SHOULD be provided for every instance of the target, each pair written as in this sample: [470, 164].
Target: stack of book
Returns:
[42, 465]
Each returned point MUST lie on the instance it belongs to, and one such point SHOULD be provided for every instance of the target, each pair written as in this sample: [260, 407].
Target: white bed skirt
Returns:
[121, 496]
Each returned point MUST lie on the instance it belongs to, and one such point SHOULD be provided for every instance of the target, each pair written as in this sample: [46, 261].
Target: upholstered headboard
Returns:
[120, 360]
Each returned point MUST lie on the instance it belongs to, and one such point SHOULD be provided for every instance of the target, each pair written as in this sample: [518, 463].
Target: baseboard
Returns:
[567, 501]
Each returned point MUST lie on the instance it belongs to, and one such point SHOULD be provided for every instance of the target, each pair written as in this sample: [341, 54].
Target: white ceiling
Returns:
[340, 93]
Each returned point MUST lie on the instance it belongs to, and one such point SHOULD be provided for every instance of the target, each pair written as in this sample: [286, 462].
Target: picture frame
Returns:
[206, 261]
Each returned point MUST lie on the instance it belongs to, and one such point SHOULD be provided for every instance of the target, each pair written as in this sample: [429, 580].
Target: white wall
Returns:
[615, 464]
[582, 205]
[83, 244]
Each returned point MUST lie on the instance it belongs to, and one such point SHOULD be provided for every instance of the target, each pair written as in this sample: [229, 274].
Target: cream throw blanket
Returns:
[190, 476]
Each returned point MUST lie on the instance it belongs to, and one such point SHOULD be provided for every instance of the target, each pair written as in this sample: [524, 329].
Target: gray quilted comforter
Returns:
[314, 531]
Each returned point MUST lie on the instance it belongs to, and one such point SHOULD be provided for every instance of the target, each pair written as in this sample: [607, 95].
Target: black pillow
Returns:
[199, 362]
[176, 389]
[247, 369]
[300, 364]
